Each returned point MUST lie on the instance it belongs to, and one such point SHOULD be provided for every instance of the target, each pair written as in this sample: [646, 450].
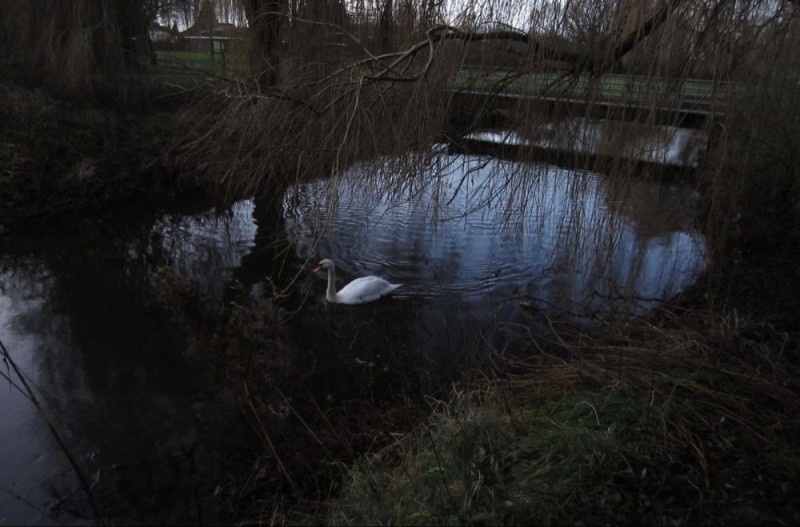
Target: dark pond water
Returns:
[149, 427]
[479, 245]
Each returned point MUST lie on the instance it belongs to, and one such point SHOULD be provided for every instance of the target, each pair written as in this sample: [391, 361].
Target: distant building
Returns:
[160, 33]
[217, 37]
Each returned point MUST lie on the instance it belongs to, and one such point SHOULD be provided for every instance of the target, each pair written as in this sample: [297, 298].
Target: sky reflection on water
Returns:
[666, 145]
[485, 230]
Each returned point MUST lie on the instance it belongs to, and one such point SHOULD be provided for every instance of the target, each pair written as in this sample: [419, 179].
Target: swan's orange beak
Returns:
[318, 269]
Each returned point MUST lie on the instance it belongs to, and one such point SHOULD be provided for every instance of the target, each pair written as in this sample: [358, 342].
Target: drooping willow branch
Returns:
[583, 61]
[393, 67]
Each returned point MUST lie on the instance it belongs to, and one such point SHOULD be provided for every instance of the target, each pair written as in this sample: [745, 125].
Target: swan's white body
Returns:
[359, 291]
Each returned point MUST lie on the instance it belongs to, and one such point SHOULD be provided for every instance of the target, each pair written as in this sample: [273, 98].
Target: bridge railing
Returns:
[700, 94]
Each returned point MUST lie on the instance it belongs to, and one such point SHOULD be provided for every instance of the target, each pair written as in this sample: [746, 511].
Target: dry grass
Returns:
[686, 420]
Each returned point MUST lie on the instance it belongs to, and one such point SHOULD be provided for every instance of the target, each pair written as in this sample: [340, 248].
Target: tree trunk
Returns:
[265, 18]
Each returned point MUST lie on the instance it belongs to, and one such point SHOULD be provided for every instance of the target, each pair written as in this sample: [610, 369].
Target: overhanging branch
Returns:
[394, 66]
[582, 61]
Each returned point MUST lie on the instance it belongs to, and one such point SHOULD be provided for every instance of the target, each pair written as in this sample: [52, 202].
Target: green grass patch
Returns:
[204, 61]
[228, 64]
[653, 432]
[551, 463]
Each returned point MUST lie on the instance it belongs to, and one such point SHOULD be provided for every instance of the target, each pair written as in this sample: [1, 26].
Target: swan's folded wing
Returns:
[365, 289]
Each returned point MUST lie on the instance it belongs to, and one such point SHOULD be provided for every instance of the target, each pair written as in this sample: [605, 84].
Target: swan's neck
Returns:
[330, 294]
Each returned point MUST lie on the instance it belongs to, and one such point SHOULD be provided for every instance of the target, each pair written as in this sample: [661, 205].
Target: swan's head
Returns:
[325, 264]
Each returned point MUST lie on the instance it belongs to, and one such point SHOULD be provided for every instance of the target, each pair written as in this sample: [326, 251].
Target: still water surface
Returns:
[480, 245]
[146, 424]
[487, 232]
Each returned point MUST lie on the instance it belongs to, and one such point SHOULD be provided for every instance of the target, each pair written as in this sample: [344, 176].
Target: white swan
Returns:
[359, 291]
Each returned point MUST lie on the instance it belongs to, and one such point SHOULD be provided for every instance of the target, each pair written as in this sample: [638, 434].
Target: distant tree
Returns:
[207, 15]
[386, 25]
[70, 44]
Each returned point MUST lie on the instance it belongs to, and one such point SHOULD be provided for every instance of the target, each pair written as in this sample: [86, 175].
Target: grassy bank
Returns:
[689, 418]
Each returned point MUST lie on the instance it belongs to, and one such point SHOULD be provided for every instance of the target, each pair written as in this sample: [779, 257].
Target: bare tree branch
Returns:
[640, 33]
[582, 61]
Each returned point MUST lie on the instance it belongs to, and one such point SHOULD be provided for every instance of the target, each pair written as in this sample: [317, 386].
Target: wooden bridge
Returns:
[492, 100]
[686, 103]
